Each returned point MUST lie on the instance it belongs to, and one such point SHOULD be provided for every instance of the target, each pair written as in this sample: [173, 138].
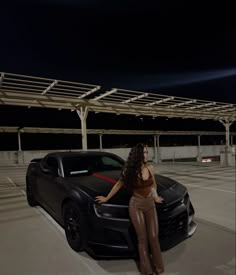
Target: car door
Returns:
[50, 181]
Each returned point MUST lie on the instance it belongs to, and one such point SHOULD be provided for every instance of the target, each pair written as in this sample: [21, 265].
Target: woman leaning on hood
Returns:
[138, 177]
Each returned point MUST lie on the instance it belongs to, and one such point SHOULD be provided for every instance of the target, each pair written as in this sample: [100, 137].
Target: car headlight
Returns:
[186, 199]
[110, 211]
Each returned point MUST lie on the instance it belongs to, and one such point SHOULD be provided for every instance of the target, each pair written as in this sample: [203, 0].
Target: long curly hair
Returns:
[132, 168]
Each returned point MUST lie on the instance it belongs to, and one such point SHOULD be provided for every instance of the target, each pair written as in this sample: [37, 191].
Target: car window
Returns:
[85, 165]
[110, 163]
[74, 166]
[52, 164]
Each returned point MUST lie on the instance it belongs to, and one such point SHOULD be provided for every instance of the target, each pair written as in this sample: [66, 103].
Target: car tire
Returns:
[29, 194]
[74, 225]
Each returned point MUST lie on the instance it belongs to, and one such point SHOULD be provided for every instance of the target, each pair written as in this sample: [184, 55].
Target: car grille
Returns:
[173, 226]
[166, 209]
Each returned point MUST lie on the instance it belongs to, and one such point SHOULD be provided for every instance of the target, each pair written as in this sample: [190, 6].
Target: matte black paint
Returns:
[109, 237]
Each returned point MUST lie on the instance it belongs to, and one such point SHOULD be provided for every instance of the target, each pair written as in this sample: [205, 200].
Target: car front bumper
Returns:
[116, 238]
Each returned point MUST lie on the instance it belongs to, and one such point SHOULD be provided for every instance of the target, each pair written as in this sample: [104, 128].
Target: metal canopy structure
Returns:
[42, 92]
[22, 90]
[71, 131]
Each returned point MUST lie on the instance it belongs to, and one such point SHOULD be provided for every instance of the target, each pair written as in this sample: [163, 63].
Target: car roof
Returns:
[80, 153]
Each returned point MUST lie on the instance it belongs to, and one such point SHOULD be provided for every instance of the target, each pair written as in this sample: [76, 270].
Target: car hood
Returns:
[102, 182]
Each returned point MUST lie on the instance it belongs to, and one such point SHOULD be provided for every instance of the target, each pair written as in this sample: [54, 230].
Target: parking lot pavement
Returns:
[31, 243]
[211, 188]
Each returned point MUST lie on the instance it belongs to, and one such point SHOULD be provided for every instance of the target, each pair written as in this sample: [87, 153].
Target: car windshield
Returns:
[75, 166]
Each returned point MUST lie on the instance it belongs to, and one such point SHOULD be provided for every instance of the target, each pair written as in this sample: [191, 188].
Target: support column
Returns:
[227, 152]
[227, 125]
[19, 140]
[199, 157]
[232, 140]
[20, 157]
[83, 113]
[155, 160]
[158, 149]
[100, 142]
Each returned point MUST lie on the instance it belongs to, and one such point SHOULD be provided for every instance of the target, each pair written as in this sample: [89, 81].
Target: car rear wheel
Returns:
[29, 194]
[74, 224]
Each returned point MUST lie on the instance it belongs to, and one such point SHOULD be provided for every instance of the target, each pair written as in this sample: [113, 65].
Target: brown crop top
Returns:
[143, 187]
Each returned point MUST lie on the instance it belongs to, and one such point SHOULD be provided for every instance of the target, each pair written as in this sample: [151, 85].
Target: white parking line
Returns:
[37, 209]
[51, 220]
[11, 181]
[46, 215]
[214, 189]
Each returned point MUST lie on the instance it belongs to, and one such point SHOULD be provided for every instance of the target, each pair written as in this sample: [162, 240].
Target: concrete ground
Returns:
[31, 243]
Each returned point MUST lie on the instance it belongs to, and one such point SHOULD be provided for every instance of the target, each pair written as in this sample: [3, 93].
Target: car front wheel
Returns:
[74, 224]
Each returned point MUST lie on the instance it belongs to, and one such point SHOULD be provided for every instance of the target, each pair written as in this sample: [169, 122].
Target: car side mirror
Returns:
[46, 170]
[49, 171]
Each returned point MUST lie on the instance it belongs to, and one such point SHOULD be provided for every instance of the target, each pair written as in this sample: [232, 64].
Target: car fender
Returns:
[79, 197]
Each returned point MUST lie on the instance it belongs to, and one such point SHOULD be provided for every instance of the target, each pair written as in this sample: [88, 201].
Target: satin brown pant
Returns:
[143, 215]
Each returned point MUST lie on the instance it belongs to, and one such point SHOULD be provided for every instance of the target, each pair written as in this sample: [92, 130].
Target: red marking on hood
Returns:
[104, 177]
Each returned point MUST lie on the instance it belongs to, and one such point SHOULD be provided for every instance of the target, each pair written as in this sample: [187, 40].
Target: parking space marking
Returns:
[210, 188]
[46, 215]
[39, 209]
[11, 181]
[49, 219]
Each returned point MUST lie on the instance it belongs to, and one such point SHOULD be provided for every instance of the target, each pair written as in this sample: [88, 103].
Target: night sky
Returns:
[179, 48]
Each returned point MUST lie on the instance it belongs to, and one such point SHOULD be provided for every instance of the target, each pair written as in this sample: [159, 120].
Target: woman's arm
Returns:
[151, 169]
[154, 186]
[114, 190]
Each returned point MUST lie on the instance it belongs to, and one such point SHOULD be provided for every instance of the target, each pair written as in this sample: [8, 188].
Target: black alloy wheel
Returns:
[74, 224]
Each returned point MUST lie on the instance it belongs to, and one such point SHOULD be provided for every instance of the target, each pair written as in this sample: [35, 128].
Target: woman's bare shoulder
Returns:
[150, 167]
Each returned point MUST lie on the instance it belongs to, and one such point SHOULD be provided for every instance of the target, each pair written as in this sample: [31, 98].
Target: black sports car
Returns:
[66, 185]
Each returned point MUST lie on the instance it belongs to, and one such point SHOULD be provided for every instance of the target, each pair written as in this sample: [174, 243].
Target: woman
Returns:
[138, 177]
